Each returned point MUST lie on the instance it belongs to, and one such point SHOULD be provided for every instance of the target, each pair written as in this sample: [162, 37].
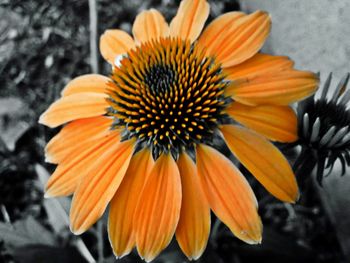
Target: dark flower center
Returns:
[159, 78]
[168, 95]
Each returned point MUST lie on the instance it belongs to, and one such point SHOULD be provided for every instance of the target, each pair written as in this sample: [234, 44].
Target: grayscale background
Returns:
[45, 43]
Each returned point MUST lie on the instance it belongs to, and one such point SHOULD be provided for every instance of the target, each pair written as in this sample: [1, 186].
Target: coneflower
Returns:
[141, 140]
[324, 125]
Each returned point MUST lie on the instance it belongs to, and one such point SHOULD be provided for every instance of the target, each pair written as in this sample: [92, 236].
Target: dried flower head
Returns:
[324, 125]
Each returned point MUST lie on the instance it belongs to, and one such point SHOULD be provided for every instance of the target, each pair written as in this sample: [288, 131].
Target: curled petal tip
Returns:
[258, 242]
[255, 240]
[292, 197]
[148, 258]
[76, 231]
[47, 195]
[296, 197]
[292, 200]
[120, 256]
[42, 119]
[49, 158]
[195, 256]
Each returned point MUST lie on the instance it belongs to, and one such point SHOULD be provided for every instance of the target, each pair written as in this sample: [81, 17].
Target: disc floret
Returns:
[168, 95]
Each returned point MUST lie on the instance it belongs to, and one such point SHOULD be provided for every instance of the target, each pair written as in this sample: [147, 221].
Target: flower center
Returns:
[168, 94]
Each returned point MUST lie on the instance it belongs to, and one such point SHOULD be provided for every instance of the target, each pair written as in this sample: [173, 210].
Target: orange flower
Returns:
[143, 139]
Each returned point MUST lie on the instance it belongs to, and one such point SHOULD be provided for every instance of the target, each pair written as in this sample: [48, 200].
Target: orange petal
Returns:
[99, 185]
[87, 83]
[277, 123]
[258, 65]
[158, 209]
[194, 225]
[229, 194]
[217, 28]
[73, 107]
[123, 205]
[68, 174]
[190, 19]
[74, 135]
[115, 42]
[263, 160]
[150, 25]
[281, 88]
[234, 37]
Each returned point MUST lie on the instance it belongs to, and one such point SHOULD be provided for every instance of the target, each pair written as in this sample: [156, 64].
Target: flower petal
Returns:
[234, 37]
[190, 19]
[263, 160]
[158, 210]
[194, 225]
[123, 205]
[277, 123]
[68, 174]
[115, 42]
[258, 65]
[87, 83]
[99, 185]
[74, 135]
[281, 88]
[73, 107]
[148, 25]
[229, 194]
[217, 28]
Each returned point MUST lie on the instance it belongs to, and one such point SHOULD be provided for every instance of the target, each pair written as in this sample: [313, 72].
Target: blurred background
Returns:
[45, 43]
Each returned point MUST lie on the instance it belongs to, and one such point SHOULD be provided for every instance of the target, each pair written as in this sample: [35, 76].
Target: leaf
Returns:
[12, 125]
[26, 232]
[56, 208]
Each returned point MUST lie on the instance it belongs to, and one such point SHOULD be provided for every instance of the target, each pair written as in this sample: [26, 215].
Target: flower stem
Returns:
[93, 36]
[84, 251]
